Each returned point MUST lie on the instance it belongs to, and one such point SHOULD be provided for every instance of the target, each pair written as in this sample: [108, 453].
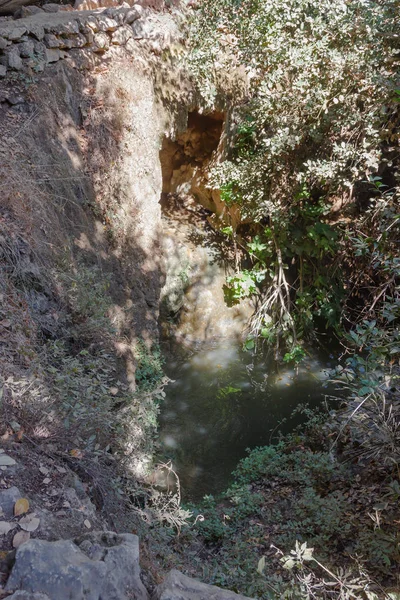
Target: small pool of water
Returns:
[222, 402]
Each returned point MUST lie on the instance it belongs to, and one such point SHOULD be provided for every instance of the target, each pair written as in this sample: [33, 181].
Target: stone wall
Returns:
[29, 44]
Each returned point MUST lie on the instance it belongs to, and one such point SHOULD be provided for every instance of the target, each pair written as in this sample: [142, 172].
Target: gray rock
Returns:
[116, 13]
[28, 11]
[21, 595]
[99, 565]
[3, 70]
[51, 7]
[7, 500]
[75, 41]
[142, 30]
[133, 14]
[52, 55]
[177, 586]
[68, 28]
[101, 42]
[4, 43]
[51, 41]
[121, 36]
[36, 30]
[16, 33]
[91, 23]
[106, 23]
[26, 49]
[5, 460]
[14, 61]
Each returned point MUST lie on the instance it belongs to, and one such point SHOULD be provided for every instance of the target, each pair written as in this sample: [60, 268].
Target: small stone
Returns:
[107, 24]
[36, 30]
[28, 11]
[3, 70]
[14, 62]
[26, 50]
[4, 43]
[8, 499]
[51, 7]
[6, 527]
[136, 12]
[44, 470]
[76, 41]
[141, 30]
[46, 481]
[116, 14]
[51, 41]
[87, 524]
[52, 55]
[68, 28]
[101, 42]
[17, 32]
[40, 48]
[92, 23]
[120, 37]
[6, 460]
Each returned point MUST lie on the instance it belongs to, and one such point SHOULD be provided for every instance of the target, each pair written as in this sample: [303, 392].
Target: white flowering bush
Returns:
[316, 118]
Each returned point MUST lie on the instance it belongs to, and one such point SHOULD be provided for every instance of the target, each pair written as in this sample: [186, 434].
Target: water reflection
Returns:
[220, 403]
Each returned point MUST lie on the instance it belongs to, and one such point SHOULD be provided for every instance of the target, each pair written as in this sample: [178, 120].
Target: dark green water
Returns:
[223, 402]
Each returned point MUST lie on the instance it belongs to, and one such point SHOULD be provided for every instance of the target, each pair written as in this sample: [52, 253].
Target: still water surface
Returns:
[221, 402]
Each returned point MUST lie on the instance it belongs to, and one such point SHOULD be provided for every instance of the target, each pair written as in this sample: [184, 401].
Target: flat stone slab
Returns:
[177, 586]
[97, 566]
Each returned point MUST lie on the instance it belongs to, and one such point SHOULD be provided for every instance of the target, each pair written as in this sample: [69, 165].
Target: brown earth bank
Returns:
[86, 99]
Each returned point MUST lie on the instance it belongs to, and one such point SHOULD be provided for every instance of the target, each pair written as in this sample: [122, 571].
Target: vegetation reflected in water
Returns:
[223, 401]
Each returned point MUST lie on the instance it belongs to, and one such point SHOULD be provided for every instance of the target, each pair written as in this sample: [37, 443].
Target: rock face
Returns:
[98, 565]
[179, 587]
[63, 31]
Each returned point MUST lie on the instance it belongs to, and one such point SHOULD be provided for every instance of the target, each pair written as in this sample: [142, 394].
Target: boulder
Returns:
[98, 565]
[177, 586]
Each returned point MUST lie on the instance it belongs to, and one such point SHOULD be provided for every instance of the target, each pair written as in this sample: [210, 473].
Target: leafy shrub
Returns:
[149, 370]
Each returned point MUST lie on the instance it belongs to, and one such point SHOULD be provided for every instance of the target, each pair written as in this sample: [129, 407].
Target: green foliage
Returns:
[296, 355]
[149, 370]
[321, 97]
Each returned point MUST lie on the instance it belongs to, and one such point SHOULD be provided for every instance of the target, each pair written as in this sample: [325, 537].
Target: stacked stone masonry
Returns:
[29, 44]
